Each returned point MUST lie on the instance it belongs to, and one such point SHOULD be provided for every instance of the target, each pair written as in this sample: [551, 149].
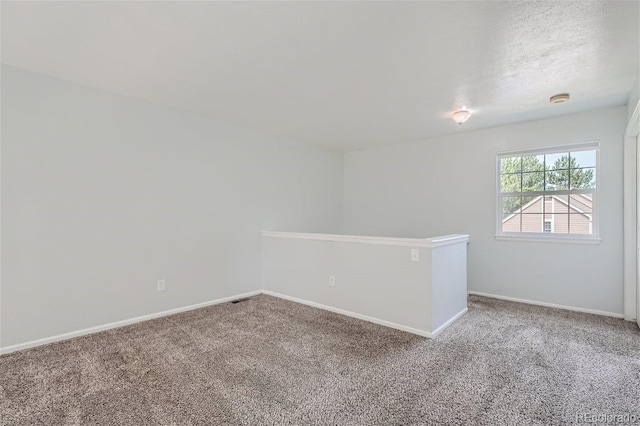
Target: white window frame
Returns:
[593, 238]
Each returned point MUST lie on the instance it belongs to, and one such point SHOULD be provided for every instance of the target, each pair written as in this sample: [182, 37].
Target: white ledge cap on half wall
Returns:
[389, 241]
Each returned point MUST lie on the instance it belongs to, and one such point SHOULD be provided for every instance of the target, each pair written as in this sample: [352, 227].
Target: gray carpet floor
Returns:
[268, 361]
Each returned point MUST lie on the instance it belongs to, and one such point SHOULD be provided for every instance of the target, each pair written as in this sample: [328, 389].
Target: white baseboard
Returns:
[91, 330]
[352, 314]
[548, 305]
[449, 322]
[83, 332]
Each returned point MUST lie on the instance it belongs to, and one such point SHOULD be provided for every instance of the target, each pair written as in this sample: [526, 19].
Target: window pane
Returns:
[532, 223]
[584, 158]
[533, 163]
[532, 204]
[580, 224]
[559, 204]
[549, 204]
[583, 178]
[510, 165]
[510, 183]
[511, 223]
[533, 181]
[559, 223]
[581, 203]
[511, 204]
[556, 180]
[559, 161]
[565, 182]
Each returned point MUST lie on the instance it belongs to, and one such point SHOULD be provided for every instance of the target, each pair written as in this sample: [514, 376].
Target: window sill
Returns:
[541, 238]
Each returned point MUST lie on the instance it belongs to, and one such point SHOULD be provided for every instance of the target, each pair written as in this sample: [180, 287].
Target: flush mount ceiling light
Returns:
[559, 98]
[461, 115]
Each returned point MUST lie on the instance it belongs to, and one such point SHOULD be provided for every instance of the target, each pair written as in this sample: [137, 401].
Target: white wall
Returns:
[376, 279]
[446, 185]
[634, 97]
[103, 195]
[630, 206]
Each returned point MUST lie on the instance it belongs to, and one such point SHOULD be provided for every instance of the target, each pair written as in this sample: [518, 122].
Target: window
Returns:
[548, 192]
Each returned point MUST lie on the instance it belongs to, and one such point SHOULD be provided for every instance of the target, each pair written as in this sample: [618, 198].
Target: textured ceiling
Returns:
[348, 75]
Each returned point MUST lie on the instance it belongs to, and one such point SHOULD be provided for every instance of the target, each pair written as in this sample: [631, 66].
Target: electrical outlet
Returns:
[415, 255]
[161, 285]
[332, 281]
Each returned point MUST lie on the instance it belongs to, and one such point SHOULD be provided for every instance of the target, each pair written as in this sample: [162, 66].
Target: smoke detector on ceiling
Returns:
[559, 98]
